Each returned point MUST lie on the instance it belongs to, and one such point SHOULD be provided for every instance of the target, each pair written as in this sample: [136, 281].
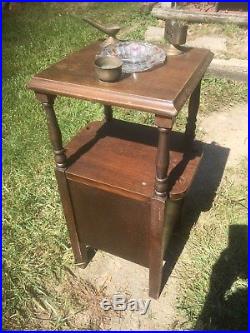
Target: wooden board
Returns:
[120, 157]
[112, 222]
[162, 90]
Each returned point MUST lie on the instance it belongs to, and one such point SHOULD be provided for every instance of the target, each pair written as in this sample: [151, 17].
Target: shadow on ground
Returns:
[199, 199]
[223, 310]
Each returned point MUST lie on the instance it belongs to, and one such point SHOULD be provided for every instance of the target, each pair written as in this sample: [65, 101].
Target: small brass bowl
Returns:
[108, 68]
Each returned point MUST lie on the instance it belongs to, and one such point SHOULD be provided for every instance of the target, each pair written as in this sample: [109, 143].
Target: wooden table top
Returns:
[162, 90]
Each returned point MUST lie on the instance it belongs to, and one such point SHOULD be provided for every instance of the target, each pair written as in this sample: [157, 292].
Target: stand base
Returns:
[108, 193]
[174, 50]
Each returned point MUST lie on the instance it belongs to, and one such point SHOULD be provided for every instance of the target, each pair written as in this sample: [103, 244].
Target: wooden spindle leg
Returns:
[108, 113]
[193, 108]
[53, 128]
[79, 248]
[158, 209]
[162, 162]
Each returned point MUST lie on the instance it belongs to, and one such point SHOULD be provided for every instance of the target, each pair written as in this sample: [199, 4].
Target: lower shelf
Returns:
[120, 156]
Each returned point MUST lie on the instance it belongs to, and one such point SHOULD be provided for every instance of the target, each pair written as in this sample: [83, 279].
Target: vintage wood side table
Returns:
[122, 184]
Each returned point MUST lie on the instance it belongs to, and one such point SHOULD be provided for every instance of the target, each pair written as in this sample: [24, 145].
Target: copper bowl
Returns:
[108, 68]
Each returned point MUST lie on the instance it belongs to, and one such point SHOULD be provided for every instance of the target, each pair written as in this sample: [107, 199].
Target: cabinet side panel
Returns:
[77, 247]
[112, 222]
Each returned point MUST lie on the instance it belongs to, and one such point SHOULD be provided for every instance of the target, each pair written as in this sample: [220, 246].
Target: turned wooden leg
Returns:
[108, 113]
[79, 249]
[193, 108]
[158, 210]
[53, 128]
[162, 162]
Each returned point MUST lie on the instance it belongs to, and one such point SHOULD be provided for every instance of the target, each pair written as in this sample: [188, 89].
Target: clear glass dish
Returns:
[136, 56]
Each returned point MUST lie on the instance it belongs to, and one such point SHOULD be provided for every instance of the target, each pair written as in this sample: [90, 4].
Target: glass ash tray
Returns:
[136, 56]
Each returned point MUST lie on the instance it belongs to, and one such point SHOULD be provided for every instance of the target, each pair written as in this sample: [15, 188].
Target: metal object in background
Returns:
[176, 35]
[111, 31]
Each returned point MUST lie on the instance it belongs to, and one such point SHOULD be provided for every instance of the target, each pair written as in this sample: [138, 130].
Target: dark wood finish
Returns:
[54, 130]
[162, 162]
[120, 157]
[78, 247]
[108, 113]
[193, 107]
[164, 122]
[122, 184]
[156, 245]
[163, 90]
[119, 221]
[112, 221]
[165, 214]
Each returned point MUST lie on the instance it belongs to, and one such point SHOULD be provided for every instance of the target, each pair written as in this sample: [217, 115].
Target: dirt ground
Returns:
[112, 275]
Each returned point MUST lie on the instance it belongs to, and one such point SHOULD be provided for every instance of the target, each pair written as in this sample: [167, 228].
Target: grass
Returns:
[37, 257]
[214, 266]
[216, 95]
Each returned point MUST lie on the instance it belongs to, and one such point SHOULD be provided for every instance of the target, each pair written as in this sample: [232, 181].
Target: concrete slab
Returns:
[234, 69]
[215, 44]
